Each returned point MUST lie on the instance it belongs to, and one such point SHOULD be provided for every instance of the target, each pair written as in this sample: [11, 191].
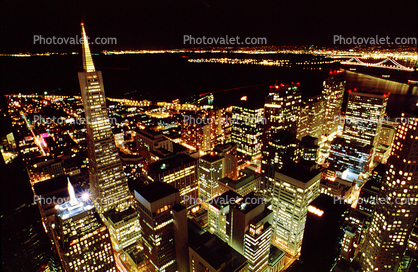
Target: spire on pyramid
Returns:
[88, 64]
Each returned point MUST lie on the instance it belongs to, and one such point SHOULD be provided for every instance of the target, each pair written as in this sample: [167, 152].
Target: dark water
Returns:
[164, 77]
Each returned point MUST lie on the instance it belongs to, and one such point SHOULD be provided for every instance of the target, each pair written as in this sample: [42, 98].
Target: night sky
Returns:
[160, 24]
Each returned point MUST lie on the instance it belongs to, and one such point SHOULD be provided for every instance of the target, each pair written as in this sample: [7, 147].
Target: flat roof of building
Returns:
[170, 163]
[275, 254]
[301, 171]
[211, 157]
[224, 199]
[216, 252]
[155, 191]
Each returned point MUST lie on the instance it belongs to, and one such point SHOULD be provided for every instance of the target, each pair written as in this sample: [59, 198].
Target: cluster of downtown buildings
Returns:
[182, 195]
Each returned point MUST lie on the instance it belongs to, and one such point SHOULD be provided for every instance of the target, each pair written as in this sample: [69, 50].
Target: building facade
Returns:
[296, 186]
[393, 219]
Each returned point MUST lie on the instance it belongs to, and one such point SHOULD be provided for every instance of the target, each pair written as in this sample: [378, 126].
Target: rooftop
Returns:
[303, 171]
[66, 210]
[156, 191]
[216, 252]
[225, 199]
[211, 158]
[275, 254]
[170, 163]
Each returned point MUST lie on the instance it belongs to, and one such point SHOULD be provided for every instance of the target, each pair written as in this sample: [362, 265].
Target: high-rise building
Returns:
[211, 170]
[108, 183]
[180, 171]
[281, 109]
[164, 227]
[82, 240]
[364, 117]
[394, 218]
[107, 180]
[282, 149]
[229, 152]
[356, 157]
[281, 112]
[247, 127]
[249, 181]
[196, 134]
[257, 243]
[220, 215]
[311, 117]
[209, 253]
[250, 210]
[296, 186]
[333, 90]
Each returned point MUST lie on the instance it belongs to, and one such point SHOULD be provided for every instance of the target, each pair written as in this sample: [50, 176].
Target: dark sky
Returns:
[162, 23]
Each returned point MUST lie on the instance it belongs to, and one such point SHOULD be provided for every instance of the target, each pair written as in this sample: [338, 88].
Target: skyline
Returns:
[293, 154]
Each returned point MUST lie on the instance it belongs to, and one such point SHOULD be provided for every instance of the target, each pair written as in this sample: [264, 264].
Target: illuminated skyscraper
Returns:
[210, 171]
[281, 112]
[311, 117]
[82, 240]
[247, 128]
[107, 180]
[394, 217]
[180, 171]
[108, 183]
[281, 149]
[296, 186]
[257, 243]
[364, 115]
[164, 226]
[363, 122]
[333, 91]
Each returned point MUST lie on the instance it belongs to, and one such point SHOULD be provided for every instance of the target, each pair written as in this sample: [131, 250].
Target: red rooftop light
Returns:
[349, 91]
[82, 24]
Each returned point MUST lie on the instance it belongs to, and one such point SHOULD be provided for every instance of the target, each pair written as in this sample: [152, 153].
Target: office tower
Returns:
[281, 112]
[281, 109]
[210, 171]
[257, 243]
[394, 218]
[323, 233]
[311, 117]
[164, 227]
[196, 133]
[333, 91]
[282, 149]
[249, 181]
[356, 157]
[220, 215]
[296, 186]
[370, 190]
[108, 183]
[24, 244]
[309, 148]
[82, 240]
[364, 117]
[251, 210]
[229, 152]
[385, 142]
[107, 180]
[209, 253]
[149, 140]
[247, 127]
[180, 171]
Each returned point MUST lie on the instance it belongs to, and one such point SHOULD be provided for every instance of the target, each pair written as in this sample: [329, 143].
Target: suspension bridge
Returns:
[387, 63]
